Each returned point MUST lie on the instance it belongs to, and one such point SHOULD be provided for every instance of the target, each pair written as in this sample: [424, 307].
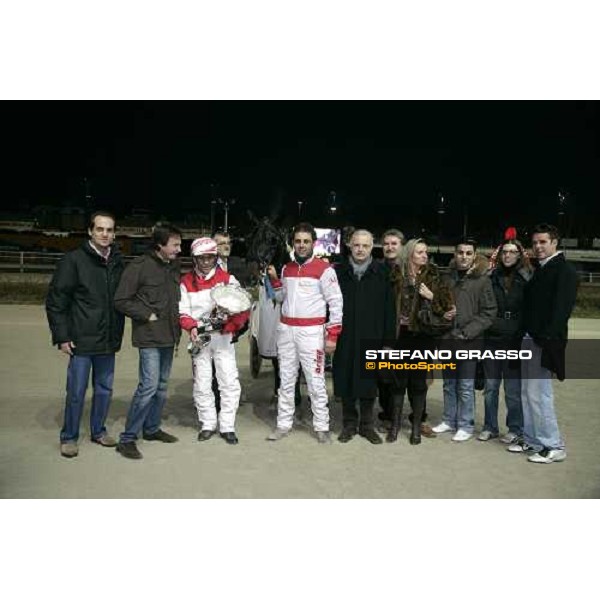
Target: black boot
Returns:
[418, 404]
[397, 404]
[415, 436]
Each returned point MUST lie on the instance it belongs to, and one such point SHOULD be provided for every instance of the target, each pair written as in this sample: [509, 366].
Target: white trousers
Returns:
[304, 345]
[223, 352]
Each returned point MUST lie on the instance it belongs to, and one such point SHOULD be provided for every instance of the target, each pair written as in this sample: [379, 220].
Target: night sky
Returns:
[502, 162]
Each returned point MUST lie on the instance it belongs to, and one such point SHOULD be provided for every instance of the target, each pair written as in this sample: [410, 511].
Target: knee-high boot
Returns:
[397, 404]
[418, 406]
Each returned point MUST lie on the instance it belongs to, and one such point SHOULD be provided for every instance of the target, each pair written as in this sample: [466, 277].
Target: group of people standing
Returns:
[405, 302]
[402, 302]
[89, 296]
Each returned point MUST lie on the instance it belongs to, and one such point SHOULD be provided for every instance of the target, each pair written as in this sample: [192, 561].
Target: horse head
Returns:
[267, 245]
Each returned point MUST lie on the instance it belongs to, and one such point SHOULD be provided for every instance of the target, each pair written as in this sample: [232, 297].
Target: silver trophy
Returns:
[229, 300]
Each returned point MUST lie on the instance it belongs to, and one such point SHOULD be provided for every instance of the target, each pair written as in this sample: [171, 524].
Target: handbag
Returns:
[429, 322]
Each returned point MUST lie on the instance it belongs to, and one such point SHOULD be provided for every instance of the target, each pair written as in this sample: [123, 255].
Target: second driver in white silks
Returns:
[307, 288]
[195, 309]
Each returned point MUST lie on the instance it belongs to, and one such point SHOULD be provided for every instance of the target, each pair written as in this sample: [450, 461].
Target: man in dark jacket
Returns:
[475, 310]
[149, 294]
[549, 301]
[86, 327]
[369, 314]
[391, 242]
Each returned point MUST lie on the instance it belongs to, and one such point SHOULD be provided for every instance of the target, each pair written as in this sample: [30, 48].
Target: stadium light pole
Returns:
[87, 191]
[562, 208]
[332, 208]
[441, 211]
[226, 204]
[213, 204]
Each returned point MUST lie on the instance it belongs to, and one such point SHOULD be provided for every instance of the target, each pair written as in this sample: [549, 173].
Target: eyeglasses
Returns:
[206, 258]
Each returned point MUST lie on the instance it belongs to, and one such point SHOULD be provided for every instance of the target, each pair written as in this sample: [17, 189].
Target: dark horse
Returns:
[266, 245]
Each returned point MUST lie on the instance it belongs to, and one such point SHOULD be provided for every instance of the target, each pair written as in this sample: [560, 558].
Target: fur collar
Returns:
[479, 268]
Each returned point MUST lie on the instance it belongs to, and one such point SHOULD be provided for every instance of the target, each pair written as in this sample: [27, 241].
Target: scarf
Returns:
[360, 269]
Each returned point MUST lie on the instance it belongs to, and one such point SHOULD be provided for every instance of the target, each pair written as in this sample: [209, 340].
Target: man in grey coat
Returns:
[475, 309]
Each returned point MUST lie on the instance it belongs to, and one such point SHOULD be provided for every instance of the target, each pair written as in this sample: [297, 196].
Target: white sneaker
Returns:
[461, 436]
[547, 456]
[443, 427]
[520, 446]
[509, 438]
[486, 436]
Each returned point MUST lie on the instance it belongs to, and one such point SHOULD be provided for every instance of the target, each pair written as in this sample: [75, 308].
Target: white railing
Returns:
[41, 262]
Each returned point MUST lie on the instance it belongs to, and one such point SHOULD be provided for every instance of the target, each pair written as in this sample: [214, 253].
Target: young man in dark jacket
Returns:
[149, 294]
[549, 301]
[475, 310]
[86, 327]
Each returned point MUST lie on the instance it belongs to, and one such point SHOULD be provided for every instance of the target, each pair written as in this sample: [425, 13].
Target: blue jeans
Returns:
[495, 371]
[459, 396]
[151, 393]
[540, 427]
[78, 375]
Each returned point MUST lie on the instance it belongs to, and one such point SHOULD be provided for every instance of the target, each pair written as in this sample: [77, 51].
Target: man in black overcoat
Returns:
[369, 314]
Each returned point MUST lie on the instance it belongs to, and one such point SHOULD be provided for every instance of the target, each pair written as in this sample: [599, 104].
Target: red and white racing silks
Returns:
[196, 303]
[307, 290]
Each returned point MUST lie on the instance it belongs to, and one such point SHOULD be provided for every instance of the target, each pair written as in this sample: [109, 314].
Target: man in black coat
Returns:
[86, 327]
[369, 314]
[549, 301]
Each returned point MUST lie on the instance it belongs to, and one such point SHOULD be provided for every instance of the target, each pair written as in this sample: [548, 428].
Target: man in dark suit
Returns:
[549, 301]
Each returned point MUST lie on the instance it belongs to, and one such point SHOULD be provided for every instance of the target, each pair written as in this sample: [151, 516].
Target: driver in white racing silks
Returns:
[195, 307]
[308, 288]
